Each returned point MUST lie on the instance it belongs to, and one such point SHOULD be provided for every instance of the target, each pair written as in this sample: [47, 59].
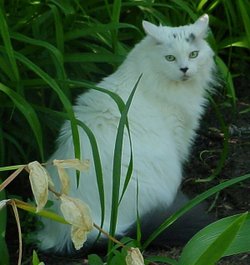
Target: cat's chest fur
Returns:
[161, 111]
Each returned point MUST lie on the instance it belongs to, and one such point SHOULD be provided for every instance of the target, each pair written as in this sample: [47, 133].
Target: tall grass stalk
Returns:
[117, 164]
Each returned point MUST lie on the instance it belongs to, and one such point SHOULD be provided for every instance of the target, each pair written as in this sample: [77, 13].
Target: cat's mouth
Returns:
[185, 77]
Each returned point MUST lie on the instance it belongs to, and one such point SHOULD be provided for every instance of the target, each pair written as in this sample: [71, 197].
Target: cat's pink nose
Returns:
[184, 69]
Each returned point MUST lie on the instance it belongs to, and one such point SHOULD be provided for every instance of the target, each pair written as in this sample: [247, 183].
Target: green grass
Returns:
[50, 51]
[43, 44]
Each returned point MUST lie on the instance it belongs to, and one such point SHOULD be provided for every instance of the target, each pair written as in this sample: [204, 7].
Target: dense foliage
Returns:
[47, 44]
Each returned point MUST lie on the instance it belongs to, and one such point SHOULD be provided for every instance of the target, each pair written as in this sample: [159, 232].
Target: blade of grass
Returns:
[8, 46]
[3, 246]
[35, 259]
[225, 147]
[88, 85]
[2, 146]
[108, 8]
[44, 213]
[29, 113]
[67, 105]
[245, 13]
[14, 142]
[58, 28]
[201, 5]
[19, 231]
[123, 110]
[228, 78]
[117, 164]
[98, 167]
[91, 57]
[56, 54]
[187, 7]
[162, 260]
[5, 67]
[8, 168]
[65, 6]
[115, 18]
[96, 28]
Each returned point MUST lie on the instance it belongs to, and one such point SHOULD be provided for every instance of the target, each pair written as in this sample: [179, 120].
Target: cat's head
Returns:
[181, 53]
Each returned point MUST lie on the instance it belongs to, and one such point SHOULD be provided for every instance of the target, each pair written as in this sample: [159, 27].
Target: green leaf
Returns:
[65, 6]
[98, 167]
[216, 241]
[92, 57]
[66, 103]
[117, 163]
[8, 168]
[228, 78]
[35, 259]
[8, 46]
[26, 109]
[44, 213]
[94, 260]
[3, 250]
[96, 29]
[4, 254]
[118, 258]
[57, 56]
[5, 66]
[115, 18]
[241, 244]
[58, 28]
[52, 49]
[8, 138]
[161, 259]
[245, 13]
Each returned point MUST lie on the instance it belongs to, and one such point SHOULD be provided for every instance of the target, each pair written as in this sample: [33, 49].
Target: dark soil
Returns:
[218, 155]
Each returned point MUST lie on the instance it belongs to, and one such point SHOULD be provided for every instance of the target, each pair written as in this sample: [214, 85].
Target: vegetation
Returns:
[52, 50]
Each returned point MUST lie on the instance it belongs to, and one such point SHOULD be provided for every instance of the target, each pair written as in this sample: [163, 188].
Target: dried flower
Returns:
[134, 257]
[39, 181]
[72, 163]
[64, 178]
[77, 213]
[78, 236]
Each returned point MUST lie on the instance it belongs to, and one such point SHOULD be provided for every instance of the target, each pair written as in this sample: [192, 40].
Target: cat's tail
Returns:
[181, 230]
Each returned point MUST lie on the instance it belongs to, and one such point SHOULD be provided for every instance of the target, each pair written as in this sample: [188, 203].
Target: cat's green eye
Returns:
[193, 54]
[170, 58]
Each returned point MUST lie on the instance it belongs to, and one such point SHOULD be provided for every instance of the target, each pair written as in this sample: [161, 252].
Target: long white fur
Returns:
[163, 117]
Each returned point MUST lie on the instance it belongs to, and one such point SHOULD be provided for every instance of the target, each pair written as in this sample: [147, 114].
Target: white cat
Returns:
[177, 67]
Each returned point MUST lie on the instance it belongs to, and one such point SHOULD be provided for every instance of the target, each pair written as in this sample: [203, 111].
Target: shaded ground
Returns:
[204, 161]
[235, 199]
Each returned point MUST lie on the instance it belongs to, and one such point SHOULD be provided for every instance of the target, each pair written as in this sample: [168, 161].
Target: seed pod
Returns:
[134, 257]
[77, 213]
[39, 181]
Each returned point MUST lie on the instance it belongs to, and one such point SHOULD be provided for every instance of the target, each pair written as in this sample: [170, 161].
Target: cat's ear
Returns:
[201, 26]
[151, 29]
